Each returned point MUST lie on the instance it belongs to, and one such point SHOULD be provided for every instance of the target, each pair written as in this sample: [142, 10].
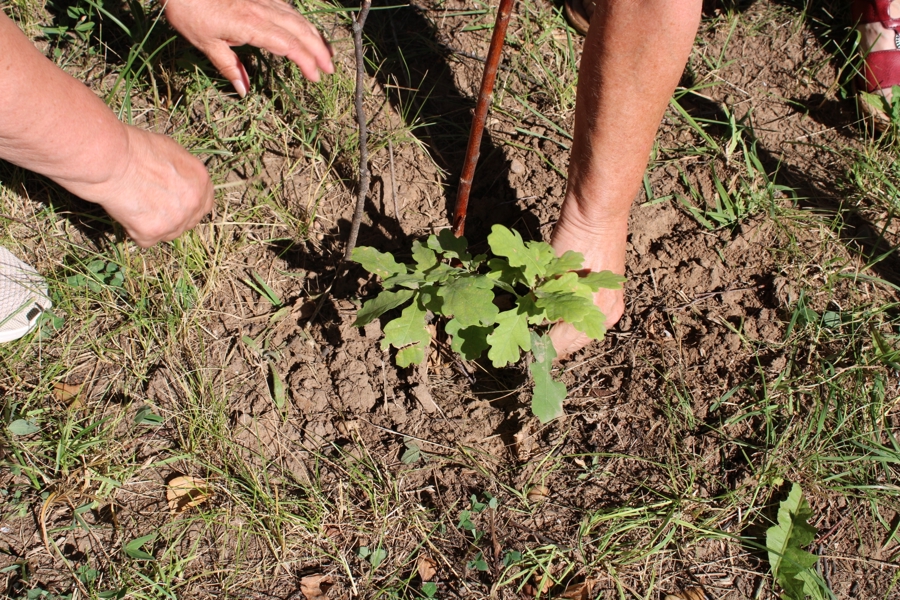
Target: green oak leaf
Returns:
[505, 275]
[448, 244]
[470, 342]
[430, 299]
[593, 324]
[566, 283]
[442, 272]
[408, 328]
[509, 336]
[536, 315]
[532, 257]
[425, 257]
[603, 279]
[544, 252]
[411, 355]
[569, 261]
[408, 280]
[793, 566]
[380, 304]
[566, 306]
[470, 300]
[380, 263]
[548, 395]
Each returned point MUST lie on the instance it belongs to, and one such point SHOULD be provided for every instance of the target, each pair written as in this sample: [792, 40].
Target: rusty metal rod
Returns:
[481, 108]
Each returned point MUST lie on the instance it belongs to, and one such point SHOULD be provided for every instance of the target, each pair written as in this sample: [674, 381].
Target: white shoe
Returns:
[23, 297]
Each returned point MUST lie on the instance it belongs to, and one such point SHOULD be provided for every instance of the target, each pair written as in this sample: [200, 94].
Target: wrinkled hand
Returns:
[161, 191]
[213, 26]
[603, 247]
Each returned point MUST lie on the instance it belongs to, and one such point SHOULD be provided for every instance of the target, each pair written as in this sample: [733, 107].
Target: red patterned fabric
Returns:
[874, 11]
[882, 69]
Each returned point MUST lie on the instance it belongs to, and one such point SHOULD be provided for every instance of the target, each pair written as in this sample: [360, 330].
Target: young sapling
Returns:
[445, 280]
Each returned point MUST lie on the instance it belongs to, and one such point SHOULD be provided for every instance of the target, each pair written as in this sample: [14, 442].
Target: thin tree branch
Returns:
[363, 191]
[393, 181]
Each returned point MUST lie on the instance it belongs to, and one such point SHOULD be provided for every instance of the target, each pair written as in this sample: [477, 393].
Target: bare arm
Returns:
[54, 125]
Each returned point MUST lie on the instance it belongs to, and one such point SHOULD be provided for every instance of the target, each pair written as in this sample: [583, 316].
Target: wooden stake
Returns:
[481, 108]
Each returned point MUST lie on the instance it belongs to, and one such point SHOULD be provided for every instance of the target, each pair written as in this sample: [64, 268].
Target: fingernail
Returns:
[239, 87]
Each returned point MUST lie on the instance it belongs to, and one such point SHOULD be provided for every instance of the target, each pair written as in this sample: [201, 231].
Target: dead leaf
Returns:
[426, 567]
[315, 587]
[538, 493]
[67, 393]
[186, 492]
[578, 591]
[693, 593]
[332, 531]
[542, 585]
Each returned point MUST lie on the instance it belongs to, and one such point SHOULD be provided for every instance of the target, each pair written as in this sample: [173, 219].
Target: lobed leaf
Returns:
[569, 261]
[449, 245]
[425, 257]
[408, 330]
[565, 306]
[791, 565]
[469, 342]
[548, 396]
[593, 324]
[533, 258]
[506, 276]
[443, 273]
[380, 304]
[569, 283]
[411, 355]
[510, 335]
[470, 300]
[379, 263]
[408, 280]
[603, 279]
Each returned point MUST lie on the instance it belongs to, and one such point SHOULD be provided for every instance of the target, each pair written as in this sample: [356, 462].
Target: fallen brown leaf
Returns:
[538, 493]
[693, 593]
[541, 585]
[315, 587]
[67, 392]
[578, 591]
[426, 567]
[186, 492]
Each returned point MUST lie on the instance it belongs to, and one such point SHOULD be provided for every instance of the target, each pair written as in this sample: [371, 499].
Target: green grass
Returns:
[642, 504]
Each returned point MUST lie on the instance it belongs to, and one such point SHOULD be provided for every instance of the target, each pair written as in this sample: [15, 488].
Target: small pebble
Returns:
[516, 167]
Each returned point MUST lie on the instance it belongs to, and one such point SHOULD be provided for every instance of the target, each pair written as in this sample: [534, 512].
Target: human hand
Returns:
[213, 26]
[161, 191]
[603, 247]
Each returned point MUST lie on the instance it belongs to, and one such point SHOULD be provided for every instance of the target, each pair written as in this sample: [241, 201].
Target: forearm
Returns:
[633, 58]
[49, 122]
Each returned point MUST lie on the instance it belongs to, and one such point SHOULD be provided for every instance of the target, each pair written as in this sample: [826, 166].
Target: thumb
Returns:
[229, 65]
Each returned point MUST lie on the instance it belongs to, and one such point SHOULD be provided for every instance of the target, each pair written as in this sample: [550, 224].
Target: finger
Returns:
[313, 41]
[303, 45]
[229, 65]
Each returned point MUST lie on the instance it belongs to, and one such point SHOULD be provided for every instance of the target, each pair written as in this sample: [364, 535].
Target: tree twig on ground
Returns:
[481, 108]
[358, 23]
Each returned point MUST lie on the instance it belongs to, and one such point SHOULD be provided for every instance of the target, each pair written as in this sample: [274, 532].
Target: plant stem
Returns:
[358, 24]
[481, 107]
